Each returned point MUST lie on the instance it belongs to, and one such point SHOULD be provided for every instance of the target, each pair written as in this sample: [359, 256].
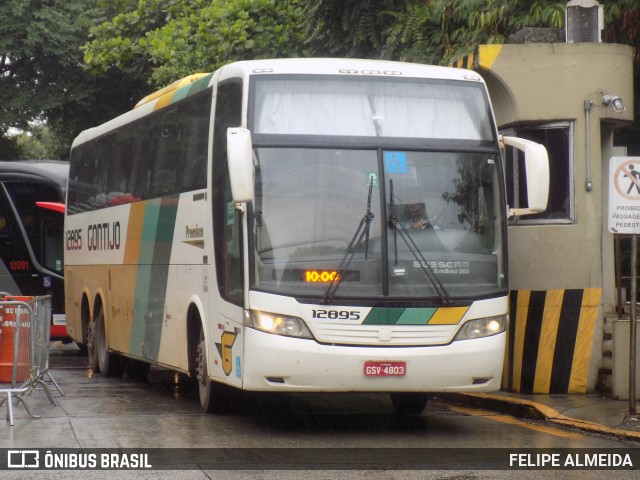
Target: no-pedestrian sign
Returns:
[624, 195]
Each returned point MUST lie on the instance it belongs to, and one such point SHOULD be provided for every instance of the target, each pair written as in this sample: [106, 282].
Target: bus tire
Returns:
[91, 347]
[109, 364]
[409, 403]
[212, 395]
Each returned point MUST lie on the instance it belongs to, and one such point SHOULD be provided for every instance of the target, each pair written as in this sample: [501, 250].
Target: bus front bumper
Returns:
[278, 363]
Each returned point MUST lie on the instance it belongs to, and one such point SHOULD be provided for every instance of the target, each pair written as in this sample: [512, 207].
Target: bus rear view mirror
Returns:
[240, 159]
[537, 173]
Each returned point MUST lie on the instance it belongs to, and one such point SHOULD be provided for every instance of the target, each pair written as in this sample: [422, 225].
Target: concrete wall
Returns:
[546, 83]
[551, 82]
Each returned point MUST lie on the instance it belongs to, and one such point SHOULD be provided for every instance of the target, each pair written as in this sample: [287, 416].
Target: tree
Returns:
[356, 29]
[175, 38]
[424, 31]
[42, 78]
[76, 63]
[172, 38]
[440, 31]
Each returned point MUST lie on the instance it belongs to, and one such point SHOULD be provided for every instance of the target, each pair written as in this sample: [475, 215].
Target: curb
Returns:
[526, 409]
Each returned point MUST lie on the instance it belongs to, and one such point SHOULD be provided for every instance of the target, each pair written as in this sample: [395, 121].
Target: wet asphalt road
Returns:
[164, 412]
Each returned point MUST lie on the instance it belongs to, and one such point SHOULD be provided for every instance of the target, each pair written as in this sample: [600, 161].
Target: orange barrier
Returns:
[28, 323]
[8, 321]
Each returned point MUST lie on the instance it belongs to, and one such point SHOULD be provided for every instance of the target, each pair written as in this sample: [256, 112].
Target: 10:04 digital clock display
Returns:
[320, 276]
[317, 276]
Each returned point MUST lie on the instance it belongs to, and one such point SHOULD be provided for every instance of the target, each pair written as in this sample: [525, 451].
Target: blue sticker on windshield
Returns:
[395, 162]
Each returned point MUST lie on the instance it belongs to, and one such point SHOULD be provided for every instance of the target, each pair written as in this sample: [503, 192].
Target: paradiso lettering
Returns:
[104, 236]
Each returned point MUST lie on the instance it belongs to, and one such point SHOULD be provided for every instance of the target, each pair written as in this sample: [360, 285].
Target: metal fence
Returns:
[25, 324]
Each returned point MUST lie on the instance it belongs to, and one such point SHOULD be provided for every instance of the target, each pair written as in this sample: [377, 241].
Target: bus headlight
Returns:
[278, 324]
[482, 327]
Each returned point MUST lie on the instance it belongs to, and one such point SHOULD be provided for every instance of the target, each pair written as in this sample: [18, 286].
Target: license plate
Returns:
[385, 369]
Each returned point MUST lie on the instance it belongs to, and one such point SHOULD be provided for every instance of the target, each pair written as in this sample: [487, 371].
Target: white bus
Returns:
[252, 228]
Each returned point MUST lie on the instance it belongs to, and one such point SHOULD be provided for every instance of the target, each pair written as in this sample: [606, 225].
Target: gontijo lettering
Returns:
[104, 236]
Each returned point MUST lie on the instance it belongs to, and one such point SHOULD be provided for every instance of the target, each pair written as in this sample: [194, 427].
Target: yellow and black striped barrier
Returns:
[551, 340]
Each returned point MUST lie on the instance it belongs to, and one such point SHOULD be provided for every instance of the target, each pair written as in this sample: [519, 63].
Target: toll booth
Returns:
[569, 97]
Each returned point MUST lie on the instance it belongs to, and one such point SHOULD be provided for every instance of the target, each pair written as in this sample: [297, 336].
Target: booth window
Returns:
[557, 138]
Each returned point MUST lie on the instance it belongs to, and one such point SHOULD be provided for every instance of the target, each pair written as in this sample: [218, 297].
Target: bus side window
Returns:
[145, 156]
[5, 230]
[12, 250]
[227, 224]
[52, 242]
[196, 129]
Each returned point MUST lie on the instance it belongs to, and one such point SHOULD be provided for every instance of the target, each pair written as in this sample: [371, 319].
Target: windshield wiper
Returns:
[397, 226]
[393, 219]
[361, 232]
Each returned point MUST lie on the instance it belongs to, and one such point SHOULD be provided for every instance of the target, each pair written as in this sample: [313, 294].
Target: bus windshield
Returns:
[375, 187]
[43, 227]
[372, 107]
[430, 212]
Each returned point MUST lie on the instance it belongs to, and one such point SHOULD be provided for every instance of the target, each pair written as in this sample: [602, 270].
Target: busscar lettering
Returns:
[445, 267]
[103, 236]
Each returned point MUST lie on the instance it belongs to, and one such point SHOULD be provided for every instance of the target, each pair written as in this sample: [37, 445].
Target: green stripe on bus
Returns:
[200, 84]
[160, 267]
[416, 316]
[191, 89]
[399, 316]
[151, 280]
[143, 277]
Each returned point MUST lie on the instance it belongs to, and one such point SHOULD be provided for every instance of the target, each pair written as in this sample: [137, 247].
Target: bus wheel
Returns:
[211, 393]
[409, 403]
[91, 347]
[109, 364]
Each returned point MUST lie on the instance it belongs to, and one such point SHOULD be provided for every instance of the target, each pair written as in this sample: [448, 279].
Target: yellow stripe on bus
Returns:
[134, 233]
[448, 316]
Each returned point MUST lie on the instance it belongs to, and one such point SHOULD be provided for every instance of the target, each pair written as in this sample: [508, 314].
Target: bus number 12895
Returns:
[336, 314]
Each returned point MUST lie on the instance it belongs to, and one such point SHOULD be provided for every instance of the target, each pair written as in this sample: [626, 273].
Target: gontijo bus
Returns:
[251, 228]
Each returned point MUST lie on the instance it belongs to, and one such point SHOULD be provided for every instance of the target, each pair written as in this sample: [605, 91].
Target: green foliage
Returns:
[75, 63]
[41, 143]
[168, 39]
[41, 73]
[411, 34]
[425, 31]
[36, 46]
[353, 29]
